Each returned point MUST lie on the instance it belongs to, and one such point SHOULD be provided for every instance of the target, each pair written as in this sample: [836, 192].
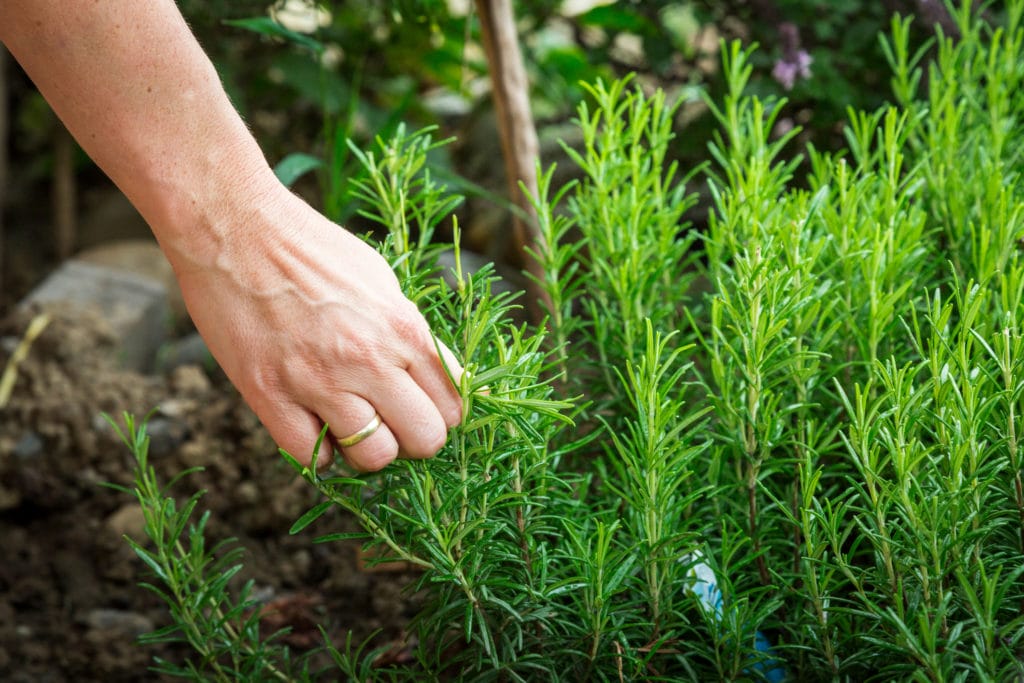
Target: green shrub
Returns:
[816, 401]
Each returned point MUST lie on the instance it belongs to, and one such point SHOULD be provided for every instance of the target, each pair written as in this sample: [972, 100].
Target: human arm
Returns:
[305, 319]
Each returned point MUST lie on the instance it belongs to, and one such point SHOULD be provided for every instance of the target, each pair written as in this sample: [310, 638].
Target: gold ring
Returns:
[352, 439]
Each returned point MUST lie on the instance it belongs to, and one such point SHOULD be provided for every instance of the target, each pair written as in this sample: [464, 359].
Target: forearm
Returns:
[307, 320]
[136, 90]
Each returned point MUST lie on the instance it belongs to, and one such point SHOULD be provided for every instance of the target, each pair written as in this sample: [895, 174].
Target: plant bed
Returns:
[785, 447]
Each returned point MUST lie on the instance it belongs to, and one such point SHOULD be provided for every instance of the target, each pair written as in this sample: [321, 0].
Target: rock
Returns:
[194, 454]
[129, 521]
[166, 434]
[140, 257]
[119, 622]
[177, 408]
[134, 306]
[30, 445]
[261, 595]
[247, 493]
[189, 380]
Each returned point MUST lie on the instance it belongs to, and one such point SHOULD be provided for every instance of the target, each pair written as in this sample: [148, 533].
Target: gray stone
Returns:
[140, 257]
[177, 408]
[116, 621]
[29, 445]
[166, 434]
[134, 306]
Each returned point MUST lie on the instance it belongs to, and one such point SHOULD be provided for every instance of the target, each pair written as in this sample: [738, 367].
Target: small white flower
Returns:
[301, 16]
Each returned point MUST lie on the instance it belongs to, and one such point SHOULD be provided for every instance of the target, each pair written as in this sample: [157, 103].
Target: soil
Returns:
[70, 605]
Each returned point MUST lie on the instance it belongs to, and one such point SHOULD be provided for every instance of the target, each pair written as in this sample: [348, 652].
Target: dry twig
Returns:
[10, 376]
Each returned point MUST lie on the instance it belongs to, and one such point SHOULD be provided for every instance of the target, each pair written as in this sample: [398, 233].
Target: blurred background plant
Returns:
[422, 60]
[309, 75]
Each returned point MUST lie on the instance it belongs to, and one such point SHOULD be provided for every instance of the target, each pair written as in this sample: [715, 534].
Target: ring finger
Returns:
[360, 434]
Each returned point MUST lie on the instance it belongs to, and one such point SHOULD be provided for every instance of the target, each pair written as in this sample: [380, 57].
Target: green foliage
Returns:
[817, 400]
[222, 628]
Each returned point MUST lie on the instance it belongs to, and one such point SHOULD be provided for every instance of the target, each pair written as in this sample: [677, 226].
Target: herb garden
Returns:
[786, 447]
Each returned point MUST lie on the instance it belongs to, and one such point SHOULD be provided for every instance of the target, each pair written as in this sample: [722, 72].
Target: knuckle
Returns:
[354, 346]
[295, 374]
[409, 323]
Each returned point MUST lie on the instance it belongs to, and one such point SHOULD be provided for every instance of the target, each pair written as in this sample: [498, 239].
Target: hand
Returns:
[310, 325]
[306, 320]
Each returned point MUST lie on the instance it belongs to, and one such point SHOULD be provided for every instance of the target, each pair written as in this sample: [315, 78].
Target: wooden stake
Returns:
[519, 143]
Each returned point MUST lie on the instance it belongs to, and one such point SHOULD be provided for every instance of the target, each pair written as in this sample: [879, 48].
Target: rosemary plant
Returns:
[220, 625]
[808, 467]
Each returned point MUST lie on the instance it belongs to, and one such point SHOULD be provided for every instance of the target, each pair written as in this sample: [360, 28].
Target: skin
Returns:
[306, 320]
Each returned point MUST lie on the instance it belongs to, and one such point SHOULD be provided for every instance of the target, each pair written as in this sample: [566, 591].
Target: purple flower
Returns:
[788, 69]
[795, 62]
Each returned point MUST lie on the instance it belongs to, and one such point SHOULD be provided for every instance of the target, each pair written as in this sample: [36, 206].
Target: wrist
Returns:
[215, 207]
